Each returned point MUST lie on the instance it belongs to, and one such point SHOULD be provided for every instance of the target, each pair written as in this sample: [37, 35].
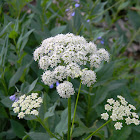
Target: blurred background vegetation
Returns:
[111, 24]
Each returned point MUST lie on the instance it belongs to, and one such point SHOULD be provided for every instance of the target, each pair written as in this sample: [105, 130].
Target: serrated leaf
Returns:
[17, 128]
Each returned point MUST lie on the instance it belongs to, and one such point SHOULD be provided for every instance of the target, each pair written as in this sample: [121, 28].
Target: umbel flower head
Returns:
[120, 110]
[63, 55]
[27, 105]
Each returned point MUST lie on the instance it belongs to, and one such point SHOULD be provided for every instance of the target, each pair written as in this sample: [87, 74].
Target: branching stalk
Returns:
[98, 129]
[75, 108]
[49, 132]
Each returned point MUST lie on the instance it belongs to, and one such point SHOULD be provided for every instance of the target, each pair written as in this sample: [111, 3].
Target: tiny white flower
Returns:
[135, 121]
[111, 101]
[114, 117]
[21, 115]
[28, 111]
[118, 125]
[104, 116]
[35, 112]
[108, 107]
[128, 121]
[34, 95]
[15, 104]
[132, 107]
[135, 115]
[16, 109]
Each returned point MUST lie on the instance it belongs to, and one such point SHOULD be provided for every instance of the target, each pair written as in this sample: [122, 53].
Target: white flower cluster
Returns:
[64, 55]
[27, 105]
[120, 110]
[65, 90]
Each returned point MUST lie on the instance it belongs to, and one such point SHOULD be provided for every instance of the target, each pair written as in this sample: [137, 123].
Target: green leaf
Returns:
[58, 30]
[122, 134]
[38, 136]
[98, 8]
[3, 53]
[50, 111]
[3, 112]
[29, 88]
[123, 5]
[16, 76]
[102, 93]
[17, 128]
[4, 29]
[62, 125]
[77, 20]
[99, 34]
[134, 19]
[7, 102]
[22, 40]
[48, 4]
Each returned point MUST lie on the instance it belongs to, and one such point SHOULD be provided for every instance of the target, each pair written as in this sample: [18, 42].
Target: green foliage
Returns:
[23, 26]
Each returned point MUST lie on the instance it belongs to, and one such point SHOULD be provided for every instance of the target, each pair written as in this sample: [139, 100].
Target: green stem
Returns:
[98, 129]
[69, 118]
[75, 108]
[107, 9]
[49, 132]
[133, 37]
[25, 137]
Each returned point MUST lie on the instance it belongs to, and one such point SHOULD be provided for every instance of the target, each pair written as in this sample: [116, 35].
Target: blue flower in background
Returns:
[77, 5]
[102, 42]
[51, 86]
[57, 83]
[101, 39]
[13, 98]
[67, 10]
[88, 20]
[76, 0]
[73, 13]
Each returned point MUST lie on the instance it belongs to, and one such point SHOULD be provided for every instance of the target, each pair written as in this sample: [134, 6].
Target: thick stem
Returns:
[69, 118]
[49, 132]
[75, 108]
[98, 129]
